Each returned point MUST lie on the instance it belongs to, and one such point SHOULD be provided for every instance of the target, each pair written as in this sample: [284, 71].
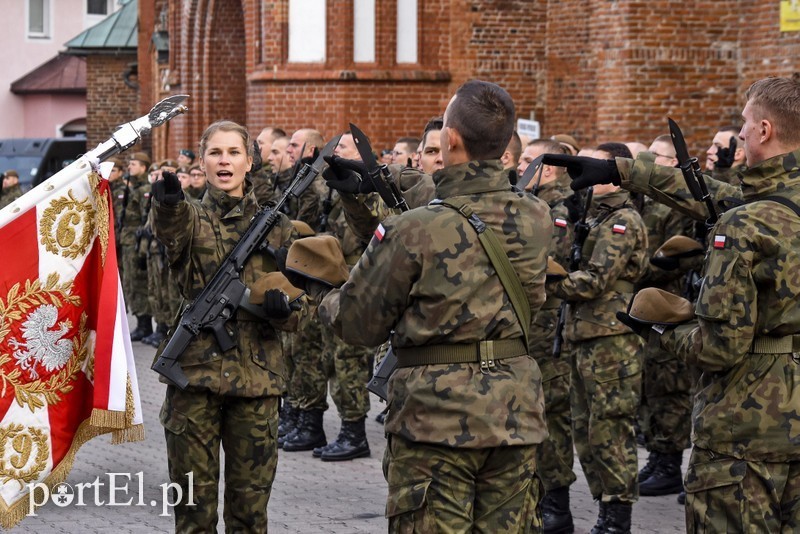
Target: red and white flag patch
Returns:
[619, 228]
[719, 241]
[380, 231]
[561, 223]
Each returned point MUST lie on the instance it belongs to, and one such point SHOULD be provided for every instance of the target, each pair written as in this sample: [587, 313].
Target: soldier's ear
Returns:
[454, 140]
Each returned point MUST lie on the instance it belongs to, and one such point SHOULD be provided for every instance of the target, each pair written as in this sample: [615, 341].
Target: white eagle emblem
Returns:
[43, 346]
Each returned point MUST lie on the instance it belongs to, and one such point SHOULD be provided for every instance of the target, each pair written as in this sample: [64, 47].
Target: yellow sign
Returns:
[790, 15]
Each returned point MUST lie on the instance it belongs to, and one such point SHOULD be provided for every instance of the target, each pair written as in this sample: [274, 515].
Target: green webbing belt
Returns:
[485, 352]
[500, 262]
[776, 345]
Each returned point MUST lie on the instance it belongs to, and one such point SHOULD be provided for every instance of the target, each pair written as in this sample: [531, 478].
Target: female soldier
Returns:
[232, 396]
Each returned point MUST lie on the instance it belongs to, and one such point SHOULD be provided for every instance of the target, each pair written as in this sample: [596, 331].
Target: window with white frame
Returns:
[307, 34]
[364, 31]
[407, 31]
[39, 19]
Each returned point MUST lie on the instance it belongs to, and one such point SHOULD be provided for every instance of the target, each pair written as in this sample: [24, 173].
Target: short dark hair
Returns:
[617, 150]
[435, 123]
[483, 114]
[411, 142]
[549, 146]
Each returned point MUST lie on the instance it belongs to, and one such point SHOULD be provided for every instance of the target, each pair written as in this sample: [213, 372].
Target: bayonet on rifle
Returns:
[223, 295]
[690, 168]
[380, 175]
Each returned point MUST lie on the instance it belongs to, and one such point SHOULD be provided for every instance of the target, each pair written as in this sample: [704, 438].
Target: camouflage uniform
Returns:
[555, 456]
[606, 372]
[667, 380]
[134, 260]
[232, 397]
[462, 439]
[9, 195]
[744, 473]
[728, 175]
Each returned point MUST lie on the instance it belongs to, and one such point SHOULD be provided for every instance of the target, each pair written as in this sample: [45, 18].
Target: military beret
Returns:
[188, 153]
[12, 172]
[168, 163]
[142, 157]
[318, 258]
[273, 280]
[555, 271]
[656, 306]
[303, 229]
[566, 139]
[679, 246]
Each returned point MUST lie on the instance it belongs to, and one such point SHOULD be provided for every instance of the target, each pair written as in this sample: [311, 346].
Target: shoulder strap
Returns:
[500, 262]
[785, 201]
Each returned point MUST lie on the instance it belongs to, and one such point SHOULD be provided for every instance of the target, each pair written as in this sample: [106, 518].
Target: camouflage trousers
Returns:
[162, 290]
[134, 282]
[195, 424]
[308, 386]
[666, 409]
[433, 488]
[555, 455]
[726, 494]
[351, 369]
[606, 384]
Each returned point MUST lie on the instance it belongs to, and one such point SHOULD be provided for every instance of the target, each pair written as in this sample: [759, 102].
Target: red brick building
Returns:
[598, 69]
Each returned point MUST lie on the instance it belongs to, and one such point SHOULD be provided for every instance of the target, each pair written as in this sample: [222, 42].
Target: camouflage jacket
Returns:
[613, 259]
[198, 236]
[9, 195]
[544, 325]
[667, 185]
[427, 280]
[731, 175]
[662, 223]
[747, 403]
[308, 207]
[337, 225]
[138, 202]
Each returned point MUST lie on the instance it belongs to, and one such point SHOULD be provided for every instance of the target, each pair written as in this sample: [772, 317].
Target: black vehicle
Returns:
[37, 159]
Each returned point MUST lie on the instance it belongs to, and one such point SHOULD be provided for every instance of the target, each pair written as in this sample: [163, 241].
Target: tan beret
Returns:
[12, 172]
[274, 280]
[303, 229]
[142, 157]
[566, 139]
[319, 258]
[554, 270]
[679, 246]
[656, 306]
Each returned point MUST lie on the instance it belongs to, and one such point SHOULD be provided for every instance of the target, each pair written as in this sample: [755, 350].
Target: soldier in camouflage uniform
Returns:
[464, 426]
[232, 398]
[134, 282]
[667, 380]
[606, 369]
[555, 456]
[11, 190]
[725, 158]
[745, 465]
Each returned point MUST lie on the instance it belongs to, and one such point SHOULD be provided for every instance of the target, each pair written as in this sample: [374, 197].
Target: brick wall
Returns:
[109, 102]
[596, 69]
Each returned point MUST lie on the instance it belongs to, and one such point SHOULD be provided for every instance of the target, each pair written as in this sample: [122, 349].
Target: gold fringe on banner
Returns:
[127, 435]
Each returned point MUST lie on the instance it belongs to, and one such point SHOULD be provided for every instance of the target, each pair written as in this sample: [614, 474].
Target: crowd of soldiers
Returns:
[607, 385]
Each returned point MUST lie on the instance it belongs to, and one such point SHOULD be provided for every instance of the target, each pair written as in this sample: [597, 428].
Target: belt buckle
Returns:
[486, 350]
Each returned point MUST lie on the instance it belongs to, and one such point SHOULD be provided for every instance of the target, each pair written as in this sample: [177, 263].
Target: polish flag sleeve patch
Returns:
[380, 232]
[719, 241]
[559, 222]
[619, 228]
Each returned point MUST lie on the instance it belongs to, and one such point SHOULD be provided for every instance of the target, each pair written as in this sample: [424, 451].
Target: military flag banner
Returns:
[66, 364]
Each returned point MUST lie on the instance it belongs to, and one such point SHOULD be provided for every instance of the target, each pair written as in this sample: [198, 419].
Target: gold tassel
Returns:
[128, 435]
[108, 418]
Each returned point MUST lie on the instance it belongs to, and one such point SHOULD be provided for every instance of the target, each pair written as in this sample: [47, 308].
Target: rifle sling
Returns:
[500, 262]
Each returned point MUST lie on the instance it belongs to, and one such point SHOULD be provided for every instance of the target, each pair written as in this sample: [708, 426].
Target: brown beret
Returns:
[656, 306]
[303, 229]
[274, 280]
[679, 246]
[555, 271]
[319, 258]
[566, 139]
[12, 172]
[141, 156]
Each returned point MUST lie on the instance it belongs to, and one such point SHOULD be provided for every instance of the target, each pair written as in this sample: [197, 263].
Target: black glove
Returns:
[257, 161]
[574, 205]
[725, 156]
[585, 172]
[168, 190]
[347, 176]
[639, 328]
[141, 262]
[276, 304]
[297, 280]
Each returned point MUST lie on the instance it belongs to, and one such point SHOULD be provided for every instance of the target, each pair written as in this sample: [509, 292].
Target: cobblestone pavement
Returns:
[309, 496]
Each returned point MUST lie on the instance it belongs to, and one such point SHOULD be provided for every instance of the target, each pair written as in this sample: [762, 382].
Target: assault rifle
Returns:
[575, 255]
[225, 293]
